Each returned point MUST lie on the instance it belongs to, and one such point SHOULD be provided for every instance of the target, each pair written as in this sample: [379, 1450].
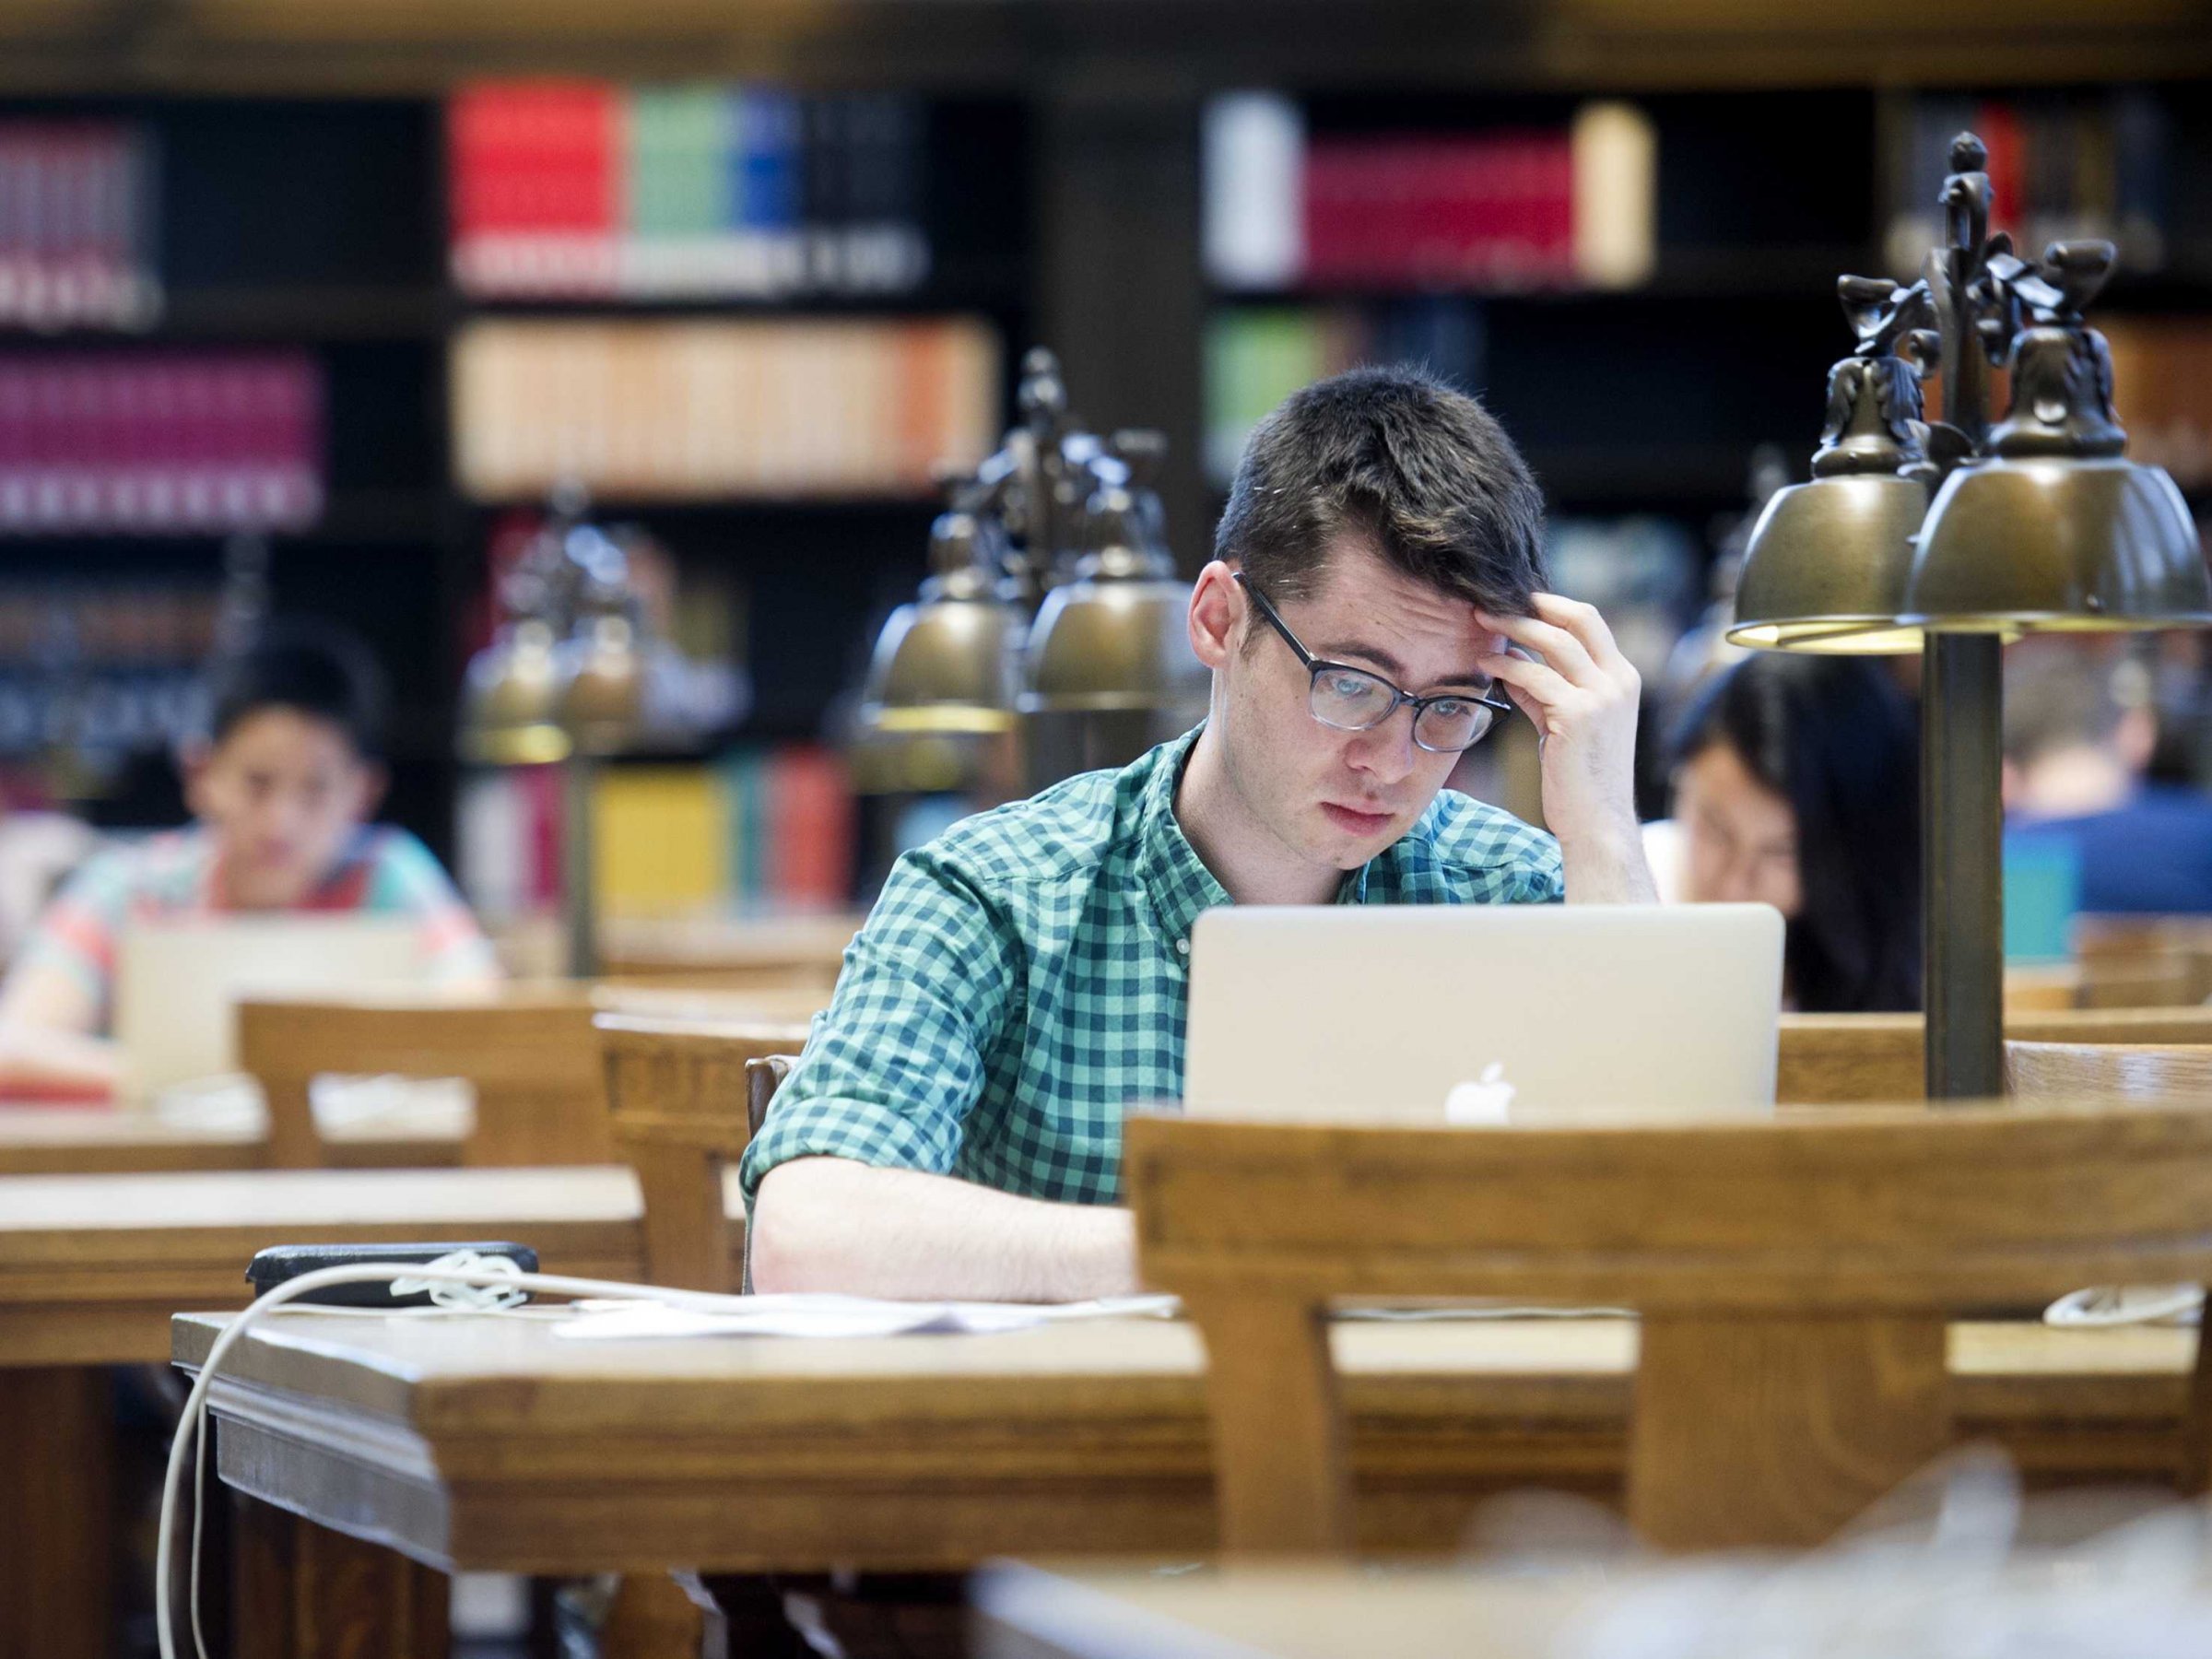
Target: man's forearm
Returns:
[835, 1224]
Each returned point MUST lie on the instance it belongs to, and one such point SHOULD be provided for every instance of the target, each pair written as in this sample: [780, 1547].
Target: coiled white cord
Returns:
[462, 1282]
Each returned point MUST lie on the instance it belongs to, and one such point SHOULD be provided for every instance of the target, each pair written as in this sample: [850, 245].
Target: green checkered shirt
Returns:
[1023, 979]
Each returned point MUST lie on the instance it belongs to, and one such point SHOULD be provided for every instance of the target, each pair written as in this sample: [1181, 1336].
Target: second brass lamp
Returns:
[1950, 538]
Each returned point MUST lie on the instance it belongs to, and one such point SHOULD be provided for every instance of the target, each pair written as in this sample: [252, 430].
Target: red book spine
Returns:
[1999, 127]
[810, 817]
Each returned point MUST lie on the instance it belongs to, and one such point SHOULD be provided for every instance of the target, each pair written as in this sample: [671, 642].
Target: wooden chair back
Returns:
[1793, 1280]
[1836, 1059]
[762, 1078]
[681, 1113]
[2169, 1071]
[2115, 947]
[527, 1050]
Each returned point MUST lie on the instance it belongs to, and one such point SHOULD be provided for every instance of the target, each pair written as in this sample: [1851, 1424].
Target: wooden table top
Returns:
[92, 1267]
[103, 1139]
[491, 1444]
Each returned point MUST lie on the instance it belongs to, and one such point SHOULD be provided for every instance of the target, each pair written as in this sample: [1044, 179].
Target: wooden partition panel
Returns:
[1794, 1279]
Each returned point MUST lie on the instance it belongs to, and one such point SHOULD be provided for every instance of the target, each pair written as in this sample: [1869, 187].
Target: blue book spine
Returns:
[766, 160]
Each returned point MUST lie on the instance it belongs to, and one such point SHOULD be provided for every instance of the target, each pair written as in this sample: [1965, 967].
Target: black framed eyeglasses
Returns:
[1355, 700]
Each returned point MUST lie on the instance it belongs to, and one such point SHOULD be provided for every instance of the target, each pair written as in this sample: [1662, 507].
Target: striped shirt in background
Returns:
[170, 876]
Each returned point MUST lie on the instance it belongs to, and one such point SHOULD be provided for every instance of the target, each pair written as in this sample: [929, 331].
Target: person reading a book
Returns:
[954, 1127]
[282, 787]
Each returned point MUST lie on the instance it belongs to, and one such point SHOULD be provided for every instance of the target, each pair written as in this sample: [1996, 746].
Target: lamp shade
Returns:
[1113, 640]
[945, 663]
[1826, 566]
[2058, 543]
[510, 702]
[603, 685]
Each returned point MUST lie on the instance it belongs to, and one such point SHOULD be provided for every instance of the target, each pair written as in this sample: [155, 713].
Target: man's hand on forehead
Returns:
[1581, 695]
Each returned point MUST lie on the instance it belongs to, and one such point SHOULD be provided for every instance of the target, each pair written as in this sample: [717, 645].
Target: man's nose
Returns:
[1385, 752]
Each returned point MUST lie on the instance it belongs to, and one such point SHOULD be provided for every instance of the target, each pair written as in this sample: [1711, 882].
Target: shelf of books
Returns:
[752, 323]
[1643, 287]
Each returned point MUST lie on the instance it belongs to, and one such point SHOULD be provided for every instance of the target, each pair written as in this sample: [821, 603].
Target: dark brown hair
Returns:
[1394, 455]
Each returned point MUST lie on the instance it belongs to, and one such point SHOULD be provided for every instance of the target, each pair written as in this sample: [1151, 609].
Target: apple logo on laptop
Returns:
[1488, 1099]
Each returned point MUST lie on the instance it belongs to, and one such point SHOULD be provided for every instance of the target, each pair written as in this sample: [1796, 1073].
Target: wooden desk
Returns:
[736, 953]
[492, 1444]
[108, 1140]
[92, 1268]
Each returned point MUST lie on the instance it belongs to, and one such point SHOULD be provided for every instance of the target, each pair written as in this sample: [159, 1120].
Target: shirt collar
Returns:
[1175, 878]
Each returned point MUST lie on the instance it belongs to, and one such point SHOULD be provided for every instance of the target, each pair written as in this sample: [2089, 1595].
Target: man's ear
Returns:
[1218, 606]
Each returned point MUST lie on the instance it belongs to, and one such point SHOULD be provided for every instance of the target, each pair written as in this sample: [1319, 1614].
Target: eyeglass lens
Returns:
[1353, 702]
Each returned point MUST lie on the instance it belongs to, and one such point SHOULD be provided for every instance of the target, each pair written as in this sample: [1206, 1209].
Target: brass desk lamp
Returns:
[1951, 537]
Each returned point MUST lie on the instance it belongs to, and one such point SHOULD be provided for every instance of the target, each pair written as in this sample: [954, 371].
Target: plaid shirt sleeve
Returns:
[894, 1067]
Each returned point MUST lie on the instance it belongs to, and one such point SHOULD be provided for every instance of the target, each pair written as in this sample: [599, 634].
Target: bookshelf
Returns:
[1642, 377]
[300, 202]
[328, 234]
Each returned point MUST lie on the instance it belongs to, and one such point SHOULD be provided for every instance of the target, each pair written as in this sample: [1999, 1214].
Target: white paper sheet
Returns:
[819, 1315]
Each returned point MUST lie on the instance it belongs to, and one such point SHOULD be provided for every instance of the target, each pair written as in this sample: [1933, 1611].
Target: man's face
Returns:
[281, 794]
[1334, 799]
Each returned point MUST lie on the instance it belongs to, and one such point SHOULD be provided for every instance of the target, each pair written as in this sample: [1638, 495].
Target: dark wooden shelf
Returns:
[305, 316]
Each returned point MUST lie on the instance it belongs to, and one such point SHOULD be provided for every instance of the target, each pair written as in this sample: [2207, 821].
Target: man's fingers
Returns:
[1540, 680]
[1587, 624]
[1559, 648]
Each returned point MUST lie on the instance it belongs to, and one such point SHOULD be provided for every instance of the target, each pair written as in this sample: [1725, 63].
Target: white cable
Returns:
[461, 1281]
[2127, 1304]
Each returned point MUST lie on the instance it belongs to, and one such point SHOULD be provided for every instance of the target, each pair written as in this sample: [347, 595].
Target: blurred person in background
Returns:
[282, 790]
[1797, 785]
[2078, 736]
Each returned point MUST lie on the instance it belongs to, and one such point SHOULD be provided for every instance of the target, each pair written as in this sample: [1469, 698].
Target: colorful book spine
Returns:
[1256, 356]
[175, 442]
[760, 828]
[721, 409]
[574, 189]
[2062, 165]
[537, 188]
[1450, 212]
[76, 225]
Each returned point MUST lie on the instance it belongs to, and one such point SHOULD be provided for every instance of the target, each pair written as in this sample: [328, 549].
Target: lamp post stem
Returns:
[578, 909]
[1962, 889]
[1962, 731]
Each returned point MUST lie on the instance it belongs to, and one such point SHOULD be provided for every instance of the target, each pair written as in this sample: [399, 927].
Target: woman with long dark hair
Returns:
[1797, 785]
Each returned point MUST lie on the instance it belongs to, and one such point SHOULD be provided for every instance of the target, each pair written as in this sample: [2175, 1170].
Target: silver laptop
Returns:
[178, 984]
[1473, 1013]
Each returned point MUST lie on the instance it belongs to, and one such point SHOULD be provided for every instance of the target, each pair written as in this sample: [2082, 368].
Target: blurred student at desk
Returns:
[2075, 756]
[955, 1126]
[1797, 785]
[282, 789]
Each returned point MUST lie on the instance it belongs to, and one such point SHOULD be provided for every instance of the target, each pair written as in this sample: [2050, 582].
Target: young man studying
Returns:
[282, 788]
[954, 1128]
